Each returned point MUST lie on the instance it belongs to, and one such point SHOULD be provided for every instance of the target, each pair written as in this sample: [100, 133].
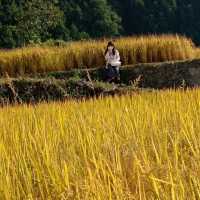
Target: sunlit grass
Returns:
[144, 146]
[152, 48]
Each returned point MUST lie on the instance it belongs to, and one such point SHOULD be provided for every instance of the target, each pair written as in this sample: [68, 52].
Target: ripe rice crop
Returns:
[152, 48]
[145, 146]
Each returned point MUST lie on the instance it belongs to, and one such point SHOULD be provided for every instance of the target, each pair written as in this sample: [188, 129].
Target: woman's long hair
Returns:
[114, 49]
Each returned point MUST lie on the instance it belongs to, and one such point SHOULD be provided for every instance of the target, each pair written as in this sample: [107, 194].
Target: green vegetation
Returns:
[34, 21]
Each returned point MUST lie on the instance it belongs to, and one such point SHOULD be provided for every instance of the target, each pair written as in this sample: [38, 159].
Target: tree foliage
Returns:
[26, 21]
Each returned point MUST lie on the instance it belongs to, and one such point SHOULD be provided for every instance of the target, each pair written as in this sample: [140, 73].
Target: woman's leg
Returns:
[109, 73]
[117, 74]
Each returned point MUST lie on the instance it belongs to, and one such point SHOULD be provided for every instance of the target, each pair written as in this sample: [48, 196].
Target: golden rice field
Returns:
[82, 54]
[144, 147]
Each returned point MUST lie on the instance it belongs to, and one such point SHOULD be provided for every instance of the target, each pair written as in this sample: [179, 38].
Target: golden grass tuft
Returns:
[151, 48]
[145, 146]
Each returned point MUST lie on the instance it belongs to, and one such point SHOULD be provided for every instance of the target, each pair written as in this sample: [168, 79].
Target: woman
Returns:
[112, 58]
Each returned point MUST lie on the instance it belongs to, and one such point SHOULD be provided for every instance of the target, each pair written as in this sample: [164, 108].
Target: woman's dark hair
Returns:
[112, 45]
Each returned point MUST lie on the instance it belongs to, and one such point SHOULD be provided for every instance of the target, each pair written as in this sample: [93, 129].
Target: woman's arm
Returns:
[107, 58]
[117, 55]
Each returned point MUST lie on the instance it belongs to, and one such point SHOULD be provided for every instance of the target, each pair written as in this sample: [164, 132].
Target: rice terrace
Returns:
[99, 100]
[141, 145]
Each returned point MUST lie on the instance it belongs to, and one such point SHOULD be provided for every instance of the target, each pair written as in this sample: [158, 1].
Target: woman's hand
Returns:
[106, 65]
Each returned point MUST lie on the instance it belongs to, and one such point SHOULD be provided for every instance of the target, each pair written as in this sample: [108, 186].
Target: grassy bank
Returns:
[31, 91]
[144, 146]
[85, 83]
[152, 48]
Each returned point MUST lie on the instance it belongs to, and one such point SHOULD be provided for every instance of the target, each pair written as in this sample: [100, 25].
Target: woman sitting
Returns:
[113, 63]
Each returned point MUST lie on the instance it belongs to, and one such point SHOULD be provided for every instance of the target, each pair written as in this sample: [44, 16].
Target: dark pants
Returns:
[112, 73]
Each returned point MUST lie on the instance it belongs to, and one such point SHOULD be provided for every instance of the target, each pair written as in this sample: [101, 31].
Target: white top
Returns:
[113, 60]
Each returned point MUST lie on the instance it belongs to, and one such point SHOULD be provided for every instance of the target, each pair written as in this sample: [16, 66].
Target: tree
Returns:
[25, 21]
[91, 18]
[8, 12]
[36, 18]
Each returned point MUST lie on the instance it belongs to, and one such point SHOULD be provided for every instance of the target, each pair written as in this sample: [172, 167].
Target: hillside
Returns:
[23, 22]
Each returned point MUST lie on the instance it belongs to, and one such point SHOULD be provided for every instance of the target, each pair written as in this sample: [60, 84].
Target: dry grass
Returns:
[144, 147]
[152, 48]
